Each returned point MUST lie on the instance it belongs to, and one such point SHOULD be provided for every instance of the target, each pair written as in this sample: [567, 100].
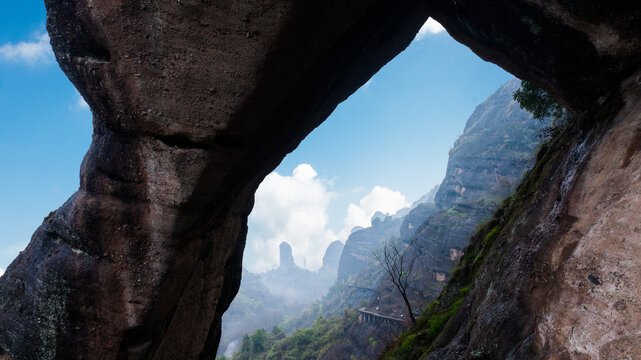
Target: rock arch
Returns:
[195, 101]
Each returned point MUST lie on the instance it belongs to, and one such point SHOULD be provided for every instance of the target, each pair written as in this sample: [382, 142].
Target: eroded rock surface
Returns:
[194, 102]
[484, 166]
[559, 280]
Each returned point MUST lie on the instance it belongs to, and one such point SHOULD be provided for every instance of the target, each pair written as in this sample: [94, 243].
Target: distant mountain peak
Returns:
[286, 257]
[333, 255]
[378, 215]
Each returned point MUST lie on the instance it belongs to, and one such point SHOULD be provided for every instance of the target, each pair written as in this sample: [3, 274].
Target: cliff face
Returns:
[485, 164]
[415, 218]
[195, 102]
[497, 145]
[361, 244]
[332, 257]
[551, 275]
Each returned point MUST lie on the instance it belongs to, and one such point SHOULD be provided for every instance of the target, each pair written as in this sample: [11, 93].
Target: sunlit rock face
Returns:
[497, 145]
[194, 103]
[558, 282]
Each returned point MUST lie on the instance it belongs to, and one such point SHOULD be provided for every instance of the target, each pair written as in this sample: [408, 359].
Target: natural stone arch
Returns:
[194, 102]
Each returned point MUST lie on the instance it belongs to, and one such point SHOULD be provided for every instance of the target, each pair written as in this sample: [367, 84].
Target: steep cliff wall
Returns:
[485, 164]
[332, 257]
[497, 145]
[550, 275]
[195, 102]
[361, 244]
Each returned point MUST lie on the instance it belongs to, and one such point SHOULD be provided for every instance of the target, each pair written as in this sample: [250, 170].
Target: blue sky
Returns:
[394, 133]
[388, 141]
[44, 133]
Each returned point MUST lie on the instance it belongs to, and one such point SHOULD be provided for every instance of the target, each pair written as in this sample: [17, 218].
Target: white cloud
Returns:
[369, 83]
[29, 52]
[295, 209]
[292, 209]
[1, 271]
[379, 199]
[431, 26]
[80, 104]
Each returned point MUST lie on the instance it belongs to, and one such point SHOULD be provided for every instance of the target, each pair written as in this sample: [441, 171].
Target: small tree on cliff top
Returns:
[398, 264]
[537, 101]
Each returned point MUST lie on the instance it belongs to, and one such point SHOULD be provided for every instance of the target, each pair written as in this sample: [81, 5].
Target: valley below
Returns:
[485, 165]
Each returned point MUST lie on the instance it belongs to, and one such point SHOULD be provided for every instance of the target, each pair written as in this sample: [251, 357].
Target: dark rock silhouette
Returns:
[332, 255]
[286, 257]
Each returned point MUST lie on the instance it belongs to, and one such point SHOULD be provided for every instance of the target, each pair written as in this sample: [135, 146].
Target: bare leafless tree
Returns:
[398, 264]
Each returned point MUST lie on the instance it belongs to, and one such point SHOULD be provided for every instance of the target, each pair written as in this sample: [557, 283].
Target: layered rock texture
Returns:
[551, 276]
[361, 244]
[497, 145]
[195, 102]
[484, 166]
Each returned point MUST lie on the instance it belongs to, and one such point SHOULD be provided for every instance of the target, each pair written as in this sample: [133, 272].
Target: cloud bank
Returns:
[295, 209]
[430, 27]
[1, 271]
[33, 52]
[379, 199]
[292, 209]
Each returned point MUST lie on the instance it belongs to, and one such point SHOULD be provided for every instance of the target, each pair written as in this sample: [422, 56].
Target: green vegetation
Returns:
[537, 101]
[460, 210]
[438, 323]
[302, 320]
[453, 211]
[303, 344]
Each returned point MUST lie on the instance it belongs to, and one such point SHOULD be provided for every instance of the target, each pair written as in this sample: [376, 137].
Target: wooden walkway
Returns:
[368, 316]
[361, 288]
